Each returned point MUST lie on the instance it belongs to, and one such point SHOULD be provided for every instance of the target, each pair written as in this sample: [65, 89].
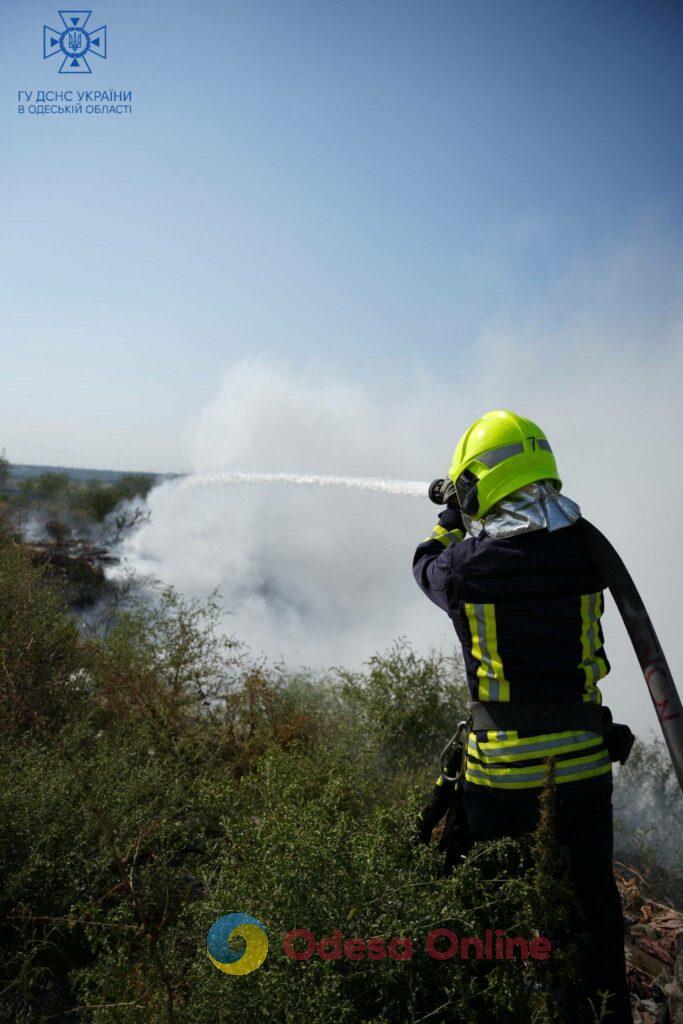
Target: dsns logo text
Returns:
[246, 927]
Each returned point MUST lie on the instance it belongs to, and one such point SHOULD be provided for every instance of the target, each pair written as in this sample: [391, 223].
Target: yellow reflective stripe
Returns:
[571, 770]
[533, 769]
[478, 780]
[533, 746]
[592, 666]
[492, 682]
[490, 768]
[446, 537]
[601, 661]
[494, 656]
[475, 649]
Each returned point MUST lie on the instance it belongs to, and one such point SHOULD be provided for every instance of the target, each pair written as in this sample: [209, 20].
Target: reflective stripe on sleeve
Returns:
[592, 666]
[446, 537]
[492, 682]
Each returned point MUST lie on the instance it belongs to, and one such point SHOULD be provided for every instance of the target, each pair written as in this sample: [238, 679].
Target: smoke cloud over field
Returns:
[322, 576]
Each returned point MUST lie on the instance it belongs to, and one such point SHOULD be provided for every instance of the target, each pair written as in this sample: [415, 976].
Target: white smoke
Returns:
[312, 566]
[321, 574]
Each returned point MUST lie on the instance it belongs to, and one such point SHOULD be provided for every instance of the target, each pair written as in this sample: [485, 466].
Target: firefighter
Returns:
[507, 564]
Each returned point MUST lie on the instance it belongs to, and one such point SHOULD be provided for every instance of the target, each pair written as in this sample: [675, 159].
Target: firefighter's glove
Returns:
[451, 518]
[448, 494]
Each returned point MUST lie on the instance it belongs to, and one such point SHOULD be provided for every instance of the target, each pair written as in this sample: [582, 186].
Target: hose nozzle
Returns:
[435, 492]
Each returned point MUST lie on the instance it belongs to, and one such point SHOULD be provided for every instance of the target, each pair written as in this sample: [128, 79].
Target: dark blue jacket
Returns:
[526, 610]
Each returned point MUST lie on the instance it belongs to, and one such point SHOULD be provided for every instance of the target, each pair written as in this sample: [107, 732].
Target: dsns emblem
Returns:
[224, 957]
[74, 42]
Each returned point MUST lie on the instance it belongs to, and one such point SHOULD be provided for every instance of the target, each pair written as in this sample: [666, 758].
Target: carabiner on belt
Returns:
[452, 758]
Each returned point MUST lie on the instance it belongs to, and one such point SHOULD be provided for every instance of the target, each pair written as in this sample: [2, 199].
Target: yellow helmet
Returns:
[498, 454]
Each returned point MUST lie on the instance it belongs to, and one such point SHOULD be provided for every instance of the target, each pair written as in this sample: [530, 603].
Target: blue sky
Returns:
[364, 187]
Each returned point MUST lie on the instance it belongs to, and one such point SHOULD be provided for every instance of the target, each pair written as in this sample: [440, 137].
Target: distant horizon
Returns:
[86, 469]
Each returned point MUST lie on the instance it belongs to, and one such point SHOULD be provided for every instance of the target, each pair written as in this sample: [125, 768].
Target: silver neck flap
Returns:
[537, 506]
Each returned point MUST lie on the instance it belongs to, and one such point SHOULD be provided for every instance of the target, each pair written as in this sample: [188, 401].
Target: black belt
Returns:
[539, 716]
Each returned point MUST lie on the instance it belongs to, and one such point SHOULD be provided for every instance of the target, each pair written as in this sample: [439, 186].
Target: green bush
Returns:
[405, 703]
[45, 487]
[315, 845]
[39, 647]
[96, 501]
[60, 497]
